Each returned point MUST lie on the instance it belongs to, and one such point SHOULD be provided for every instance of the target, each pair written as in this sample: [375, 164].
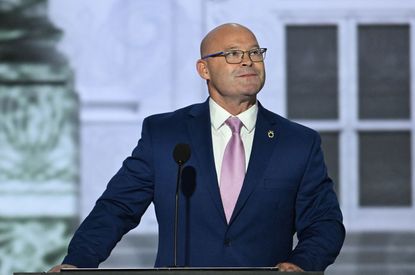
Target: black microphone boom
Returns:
[181, 155]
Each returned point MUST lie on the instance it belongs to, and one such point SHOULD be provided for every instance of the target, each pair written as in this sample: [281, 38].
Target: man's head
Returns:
[231, 83]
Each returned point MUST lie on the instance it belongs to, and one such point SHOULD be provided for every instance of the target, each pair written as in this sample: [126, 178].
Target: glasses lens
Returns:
[234, 56]
[257, 55]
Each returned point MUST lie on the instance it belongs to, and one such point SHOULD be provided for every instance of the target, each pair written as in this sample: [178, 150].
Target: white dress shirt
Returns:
[221, 133]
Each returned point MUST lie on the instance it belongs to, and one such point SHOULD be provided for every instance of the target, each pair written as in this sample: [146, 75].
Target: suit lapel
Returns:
[265, 138]
[199, 128]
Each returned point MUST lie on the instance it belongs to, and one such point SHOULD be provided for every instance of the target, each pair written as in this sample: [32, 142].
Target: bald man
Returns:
[253, 180]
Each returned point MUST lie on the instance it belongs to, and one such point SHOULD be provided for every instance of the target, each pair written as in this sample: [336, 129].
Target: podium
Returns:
[173, 271]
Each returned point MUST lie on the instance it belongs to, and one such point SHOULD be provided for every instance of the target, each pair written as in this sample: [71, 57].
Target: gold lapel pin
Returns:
[271, 134]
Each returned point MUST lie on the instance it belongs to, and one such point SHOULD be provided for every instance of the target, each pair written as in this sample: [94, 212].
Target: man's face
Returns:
[233, 81]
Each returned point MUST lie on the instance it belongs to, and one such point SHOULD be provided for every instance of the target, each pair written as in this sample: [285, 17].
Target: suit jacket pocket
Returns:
[279, 194]
[280, 184]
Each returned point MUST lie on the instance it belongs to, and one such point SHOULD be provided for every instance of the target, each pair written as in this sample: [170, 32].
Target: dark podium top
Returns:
[174, 271]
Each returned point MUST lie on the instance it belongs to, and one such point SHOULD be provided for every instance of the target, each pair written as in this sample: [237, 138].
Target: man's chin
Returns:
[251, 92]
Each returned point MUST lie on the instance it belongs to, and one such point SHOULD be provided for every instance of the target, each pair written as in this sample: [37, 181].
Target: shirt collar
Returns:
[218, 116]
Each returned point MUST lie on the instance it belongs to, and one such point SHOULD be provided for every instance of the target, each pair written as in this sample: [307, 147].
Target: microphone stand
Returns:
[181, 154]
[176, 213]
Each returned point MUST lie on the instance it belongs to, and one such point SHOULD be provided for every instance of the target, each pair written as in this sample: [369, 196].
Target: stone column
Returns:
[39, 148]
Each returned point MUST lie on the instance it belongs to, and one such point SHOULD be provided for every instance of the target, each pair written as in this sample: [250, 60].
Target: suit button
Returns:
[227, 242]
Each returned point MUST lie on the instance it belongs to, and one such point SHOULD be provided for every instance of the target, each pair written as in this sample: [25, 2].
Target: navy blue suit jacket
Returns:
[286, 191]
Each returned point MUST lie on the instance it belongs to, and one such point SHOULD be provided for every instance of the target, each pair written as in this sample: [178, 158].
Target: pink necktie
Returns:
[233, 168]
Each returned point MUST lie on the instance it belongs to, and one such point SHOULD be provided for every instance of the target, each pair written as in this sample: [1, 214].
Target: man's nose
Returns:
[246, 60]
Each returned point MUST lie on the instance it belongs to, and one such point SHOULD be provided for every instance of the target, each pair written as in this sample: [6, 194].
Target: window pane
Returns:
[312, 72]
[330, 146]
[384, 72]
[385, 169]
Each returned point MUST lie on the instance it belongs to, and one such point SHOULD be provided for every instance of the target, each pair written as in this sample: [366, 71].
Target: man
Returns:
[256, 178]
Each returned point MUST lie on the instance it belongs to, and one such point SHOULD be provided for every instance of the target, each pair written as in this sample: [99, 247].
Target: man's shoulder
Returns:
[177, 115]
[285, 124]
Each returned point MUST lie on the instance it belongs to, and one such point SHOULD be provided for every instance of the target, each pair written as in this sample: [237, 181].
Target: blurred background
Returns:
[78, 77]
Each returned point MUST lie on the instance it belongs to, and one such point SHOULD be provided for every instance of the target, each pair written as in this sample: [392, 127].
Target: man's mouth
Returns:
[247, 75]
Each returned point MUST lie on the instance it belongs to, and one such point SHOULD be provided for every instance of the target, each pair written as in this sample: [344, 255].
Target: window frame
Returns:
[348, 125]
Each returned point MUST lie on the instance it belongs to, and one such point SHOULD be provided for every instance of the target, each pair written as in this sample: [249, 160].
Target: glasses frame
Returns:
[226, 53]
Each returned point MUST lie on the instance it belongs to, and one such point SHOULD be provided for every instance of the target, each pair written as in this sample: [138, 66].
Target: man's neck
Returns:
[235, 107]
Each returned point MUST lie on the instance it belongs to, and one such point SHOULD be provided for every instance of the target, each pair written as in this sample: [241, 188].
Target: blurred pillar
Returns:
[39, 148]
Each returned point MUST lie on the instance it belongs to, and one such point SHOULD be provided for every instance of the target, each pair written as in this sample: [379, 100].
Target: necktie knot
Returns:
[235, 124]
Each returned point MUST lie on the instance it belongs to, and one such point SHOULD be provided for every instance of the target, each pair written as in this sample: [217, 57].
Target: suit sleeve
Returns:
[118, 210]
[318, 219]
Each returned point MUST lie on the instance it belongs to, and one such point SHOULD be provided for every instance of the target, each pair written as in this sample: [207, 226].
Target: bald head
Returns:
[216, 36]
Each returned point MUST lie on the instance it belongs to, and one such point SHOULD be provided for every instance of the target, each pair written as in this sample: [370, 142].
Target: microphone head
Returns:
[181, 153]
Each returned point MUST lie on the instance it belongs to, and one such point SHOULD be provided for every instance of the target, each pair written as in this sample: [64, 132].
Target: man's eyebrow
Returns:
[232, 48]
[256, 46]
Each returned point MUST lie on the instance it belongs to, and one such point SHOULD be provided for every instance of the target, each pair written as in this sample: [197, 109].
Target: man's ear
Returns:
[202, 69]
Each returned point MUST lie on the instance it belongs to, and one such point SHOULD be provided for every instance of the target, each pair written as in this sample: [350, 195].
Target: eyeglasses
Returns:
[236, 56]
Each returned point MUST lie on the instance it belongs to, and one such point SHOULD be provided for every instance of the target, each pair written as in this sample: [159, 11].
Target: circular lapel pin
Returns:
[271, 134]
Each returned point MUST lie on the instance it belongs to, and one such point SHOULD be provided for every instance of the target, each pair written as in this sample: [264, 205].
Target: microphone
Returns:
[181, 155]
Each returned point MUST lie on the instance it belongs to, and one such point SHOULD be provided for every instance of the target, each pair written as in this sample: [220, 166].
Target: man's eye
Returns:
[234, 53]
[255, 52]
